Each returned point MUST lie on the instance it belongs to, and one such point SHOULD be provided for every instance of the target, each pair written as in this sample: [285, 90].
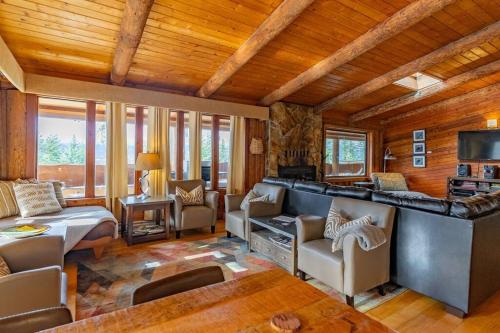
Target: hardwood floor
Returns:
[407, 313]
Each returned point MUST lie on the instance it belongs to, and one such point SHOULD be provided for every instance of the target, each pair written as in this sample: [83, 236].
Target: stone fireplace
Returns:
[294, 141]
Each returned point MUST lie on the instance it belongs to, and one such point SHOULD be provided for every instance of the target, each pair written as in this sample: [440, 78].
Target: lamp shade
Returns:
[147, 161]
[256, 146]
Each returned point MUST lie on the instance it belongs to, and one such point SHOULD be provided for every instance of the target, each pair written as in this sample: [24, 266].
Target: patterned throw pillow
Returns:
[335, 223]
[253, 196]
[4, 269]
[36, 199]
[8, 206]
[193, 198]
[57, 188]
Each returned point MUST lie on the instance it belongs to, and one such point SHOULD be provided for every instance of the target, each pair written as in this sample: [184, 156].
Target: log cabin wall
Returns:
[442, 123]
[18, 115]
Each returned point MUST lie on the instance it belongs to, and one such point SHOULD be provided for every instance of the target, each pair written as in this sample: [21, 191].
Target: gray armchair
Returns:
[351, 270]
[192, 217]
[37, 281]
[237, 219]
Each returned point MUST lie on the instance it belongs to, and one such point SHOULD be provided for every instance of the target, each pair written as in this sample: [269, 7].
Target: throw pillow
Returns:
[36, 199]
[253, 196]
[8, 205]
[4, 268]
[57, 188]
[192, 198]
[333, 221]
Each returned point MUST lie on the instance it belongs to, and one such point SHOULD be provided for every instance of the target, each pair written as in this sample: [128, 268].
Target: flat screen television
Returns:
[479, 145]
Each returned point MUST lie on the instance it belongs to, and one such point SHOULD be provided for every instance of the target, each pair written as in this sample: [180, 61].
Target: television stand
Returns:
[459, 187]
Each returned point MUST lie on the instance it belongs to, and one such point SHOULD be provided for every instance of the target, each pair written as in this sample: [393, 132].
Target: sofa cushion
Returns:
[8, 206]
[349, 192]
[285, 182]
[317, 259]
[434, 205]
[4, 268]
[309, 186]
[390, 181]
[36, 199]
[471, 207]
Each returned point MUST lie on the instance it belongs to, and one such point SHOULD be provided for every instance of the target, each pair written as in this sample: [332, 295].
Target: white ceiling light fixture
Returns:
[417, 81]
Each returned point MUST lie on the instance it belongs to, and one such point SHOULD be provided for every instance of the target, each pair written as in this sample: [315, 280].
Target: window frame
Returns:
[368, 152]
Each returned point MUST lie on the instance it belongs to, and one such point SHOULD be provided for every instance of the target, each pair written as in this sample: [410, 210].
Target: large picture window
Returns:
[72, 146]
[345, 153]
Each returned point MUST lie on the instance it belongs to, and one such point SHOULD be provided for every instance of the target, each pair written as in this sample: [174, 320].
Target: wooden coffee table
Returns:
[133, 204]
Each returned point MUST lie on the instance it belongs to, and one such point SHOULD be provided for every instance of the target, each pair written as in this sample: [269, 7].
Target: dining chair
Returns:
[178, 283]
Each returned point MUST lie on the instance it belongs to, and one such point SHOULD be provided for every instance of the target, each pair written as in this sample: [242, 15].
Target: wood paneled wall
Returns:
[18, 117]
[255, 164]
[441, 125]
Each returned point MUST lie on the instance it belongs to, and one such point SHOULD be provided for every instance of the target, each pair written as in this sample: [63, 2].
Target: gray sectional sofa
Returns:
[447, 250]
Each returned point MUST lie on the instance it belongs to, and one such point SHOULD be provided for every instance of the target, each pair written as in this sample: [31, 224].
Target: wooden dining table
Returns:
[241, 305]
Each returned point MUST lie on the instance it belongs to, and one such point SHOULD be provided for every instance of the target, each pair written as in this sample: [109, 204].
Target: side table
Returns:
[133, 204]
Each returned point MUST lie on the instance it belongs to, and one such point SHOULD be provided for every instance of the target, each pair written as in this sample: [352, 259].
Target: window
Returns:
[345, 153]
[206, 150]
[223, 150]
[62, 144]
[185, 160]
[100, 150]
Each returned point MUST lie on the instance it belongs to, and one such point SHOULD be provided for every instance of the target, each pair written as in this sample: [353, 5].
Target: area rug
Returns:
[107, 284]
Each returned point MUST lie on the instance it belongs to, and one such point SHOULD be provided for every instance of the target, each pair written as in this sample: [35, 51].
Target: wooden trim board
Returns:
[59, 87]
[10, 67]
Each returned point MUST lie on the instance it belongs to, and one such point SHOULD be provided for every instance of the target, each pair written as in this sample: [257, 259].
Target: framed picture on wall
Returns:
[419, 161]
[419, 135]
[419, 148]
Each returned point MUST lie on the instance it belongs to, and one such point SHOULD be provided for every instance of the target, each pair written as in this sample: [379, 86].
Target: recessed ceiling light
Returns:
[417, 81]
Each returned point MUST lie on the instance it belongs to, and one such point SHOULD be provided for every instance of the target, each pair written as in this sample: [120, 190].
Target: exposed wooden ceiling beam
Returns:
[485, 92]
[84, 90]
[10, 67]
[281, 18]
[464, 44]
[392, 26]
[134, 20]
[421, 94]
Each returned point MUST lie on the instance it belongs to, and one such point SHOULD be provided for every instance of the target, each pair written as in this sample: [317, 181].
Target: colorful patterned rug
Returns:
[107, 284]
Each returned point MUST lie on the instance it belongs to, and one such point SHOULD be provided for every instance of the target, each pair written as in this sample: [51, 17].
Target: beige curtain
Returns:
[116, 156]
[236, 172]
[158, 135]
[195, 126]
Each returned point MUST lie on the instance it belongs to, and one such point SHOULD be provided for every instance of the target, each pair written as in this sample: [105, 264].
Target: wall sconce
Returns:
[256, 146]
[491, 123]
[388, 157]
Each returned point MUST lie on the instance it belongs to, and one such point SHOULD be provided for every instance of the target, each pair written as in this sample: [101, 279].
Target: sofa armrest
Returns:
[177, 215]
[261, 208]
[30, 290]
[35, 321]
[212, 199]
[309, 227]
[364, 270]
[233, 202]
[32, 253]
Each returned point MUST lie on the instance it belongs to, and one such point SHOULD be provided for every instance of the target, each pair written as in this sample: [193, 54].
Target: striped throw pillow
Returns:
[36, 199]
[57, 188]
[335, 223]
[8, 206]
[4, 268]
[192, 198]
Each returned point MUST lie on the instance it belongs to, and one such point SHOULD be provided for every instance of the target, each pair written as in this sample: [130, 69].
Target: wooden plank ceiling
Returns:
[184, 43]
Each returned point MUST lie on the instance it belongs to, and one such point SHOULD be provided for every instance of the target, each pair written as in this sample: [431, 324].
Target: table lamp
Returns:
[146, 162]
